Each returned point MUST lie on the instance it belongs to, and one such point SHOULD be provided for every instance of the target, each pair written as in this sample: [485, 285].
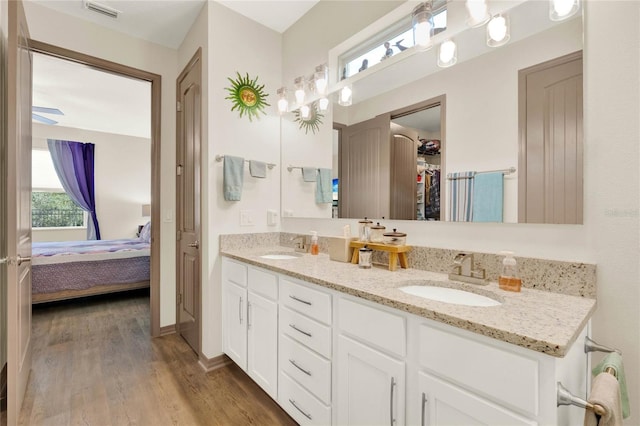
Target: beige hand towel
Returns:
[605, 391]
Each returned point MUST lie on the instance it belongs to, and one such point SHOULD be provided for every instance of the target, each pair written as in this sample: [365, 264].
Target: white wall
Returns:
[122, 182]
[610, 236]
[71, 33]
[255, 50]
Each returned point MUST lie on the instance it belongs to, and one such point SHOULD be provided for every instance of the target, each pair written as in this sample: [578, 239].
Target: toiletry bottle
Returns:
[314, 243]
[508, 279]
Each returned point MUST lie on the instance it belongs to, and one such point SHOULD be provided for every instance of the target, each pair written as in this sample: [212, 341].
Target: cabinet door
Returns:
[446, 404]
[234, 323]
[262, 329]
[370, 386]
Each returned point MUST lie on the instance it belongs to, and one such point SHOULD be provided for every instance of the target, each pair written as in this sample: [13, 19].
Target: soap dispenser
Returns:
[314, 243]
[508, 279]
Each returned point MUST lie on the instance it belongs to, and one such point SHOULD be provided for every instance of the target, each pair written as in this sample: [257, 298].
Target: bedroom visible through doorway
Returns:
[82, 103]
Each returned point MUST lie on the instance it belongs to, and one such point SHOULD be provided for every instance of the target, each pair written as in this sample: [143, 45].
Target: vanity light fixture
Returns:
[283, 102]
[323, 104]
[422, 22]
[563, 9]
[300, 90]
[345, 97]
[478, 12]
[498, 30]
[447, 54]
[321, 79]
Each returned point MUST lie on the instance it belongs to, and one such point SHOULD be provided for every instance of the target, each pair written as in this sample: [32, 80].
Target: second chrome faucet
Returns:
[464, 269]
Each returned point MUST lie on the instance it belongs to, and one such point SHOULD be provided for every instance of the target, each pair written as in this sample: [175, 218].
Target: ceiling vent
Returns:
[102, 9]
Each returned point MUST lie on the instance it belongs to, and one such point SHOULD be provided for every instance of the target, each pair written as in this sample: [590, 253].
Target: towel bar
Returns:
[567, 398]
[591, 346]
[221, 157]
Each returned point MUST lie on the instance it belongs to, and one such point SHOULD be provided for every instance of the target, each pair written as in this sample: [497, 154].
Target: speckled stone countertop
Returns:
[542, 321]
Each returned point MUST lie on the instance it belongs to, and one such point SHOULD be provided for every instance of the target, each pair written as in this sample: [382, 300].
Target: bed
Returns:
[70, 269]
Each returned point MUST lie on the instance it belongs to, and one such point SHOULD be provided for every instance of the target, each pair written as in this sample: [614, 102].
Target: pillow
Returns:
[145, 233]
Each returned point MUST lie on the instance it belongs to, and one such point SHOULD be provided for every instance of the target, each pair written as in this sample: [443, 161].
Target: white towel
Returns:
[605, 391]
[257, 169]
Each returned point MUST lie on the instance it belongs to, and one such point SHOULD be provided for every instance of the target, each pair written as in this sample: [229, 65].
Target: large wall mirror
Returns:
[482, 104]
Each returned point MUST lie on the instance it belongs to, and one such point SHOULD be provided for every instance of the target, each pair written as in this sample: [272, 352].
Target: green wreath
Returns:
[313, 122]
[247, 97]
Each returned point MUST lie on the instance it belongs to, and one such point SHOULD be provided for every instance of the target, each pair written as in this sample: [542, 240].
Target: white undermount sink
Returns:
[281, 255]
[449, 295]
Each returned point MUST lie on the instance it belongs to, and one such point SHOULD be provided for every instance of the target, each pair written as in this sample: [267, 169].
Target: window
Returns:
[51, 207]
[393, 40]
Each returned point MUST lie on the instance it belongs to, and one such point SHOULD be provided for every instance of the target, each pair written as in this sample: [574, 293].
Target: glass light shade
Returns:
[498, 30]
[478, 12]
[422, 22]
[447, 54]
[283, 102]
[300, 92]
[323, 104]
[563, 9]
[345, 97]
[305, 112]
[321, 78]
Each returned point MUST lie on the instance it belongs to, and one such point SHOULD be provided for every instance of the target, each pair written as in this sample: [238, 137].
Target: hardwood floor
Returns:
[95, 364]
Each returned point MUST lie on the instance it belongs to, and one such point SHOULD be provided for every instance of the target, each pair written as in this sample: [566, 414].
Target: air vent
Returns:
[102, 9]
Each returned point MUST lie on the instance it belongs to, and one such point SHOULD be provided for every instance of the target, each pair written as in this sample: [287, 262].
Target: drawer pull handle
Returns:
[240, 309]
[249, 315]
[307, 372]
[300, 300]
[306, 333]
[393, 388]
[424, 404]
[307, 415]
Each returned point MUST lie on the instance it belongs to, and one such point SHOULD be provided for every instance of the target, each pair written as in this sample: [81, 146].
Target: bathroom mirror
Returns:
[483, 123]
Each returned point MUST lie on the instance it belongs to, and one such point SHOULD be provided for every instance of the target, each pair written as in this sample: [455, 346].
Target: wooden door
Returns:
[364, 171]
[262, 341]
[404, 161]
[18, 212]
[188, 203]
[550, 176]
[234, 323]
[370, 386]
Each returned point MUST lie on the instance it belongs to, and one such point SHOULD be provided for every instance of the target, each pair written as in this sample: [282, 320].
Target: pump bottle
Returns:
[314, 243]
[508, 279]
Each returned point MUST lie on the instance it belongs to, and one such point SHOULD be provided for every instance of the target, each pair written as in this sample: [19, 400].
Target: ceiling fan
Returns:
[44, 110]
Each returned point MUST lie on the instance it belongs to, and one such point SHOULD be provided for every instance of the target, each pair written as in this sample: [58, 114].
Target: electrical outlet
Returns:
[246, 218]
[272, 217]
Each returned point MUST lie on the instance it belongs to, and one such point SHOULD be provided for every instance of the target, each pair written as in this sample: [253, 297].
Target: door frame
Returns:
[156, 81]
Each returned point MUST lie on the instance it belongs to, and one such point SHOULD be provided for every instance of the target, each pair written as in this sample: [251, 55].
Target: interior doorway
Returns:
[155, 81]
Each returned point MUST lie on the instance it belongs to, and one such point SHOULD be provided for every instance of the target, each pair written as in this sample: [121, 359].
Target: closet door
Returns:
[404, 154]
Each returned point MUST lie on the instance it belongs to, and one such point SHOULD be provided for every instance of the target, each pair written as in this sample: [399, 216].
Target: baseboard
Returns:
[210, 364]
[167, 329]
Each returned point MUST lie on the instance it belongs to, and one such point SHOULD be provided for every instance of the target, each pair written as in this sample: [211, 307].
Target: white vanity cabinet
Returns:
[370, 365]
[250, 322]
[305, 352]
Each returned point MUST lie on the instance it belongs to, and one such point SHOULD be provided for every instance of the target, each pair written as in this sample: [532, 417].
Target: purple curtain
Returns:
[74, 163]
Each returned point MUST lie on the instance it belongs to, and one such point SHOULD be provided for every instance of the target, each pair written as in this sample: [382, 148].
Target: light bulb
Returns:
[447, 55]
[300, 93]
[421, 20]
[478, 12]
[283, 102]
[346, 95]
[305, 111]
[321, 79]
[323, 104]
[498, 31]
[563, 9]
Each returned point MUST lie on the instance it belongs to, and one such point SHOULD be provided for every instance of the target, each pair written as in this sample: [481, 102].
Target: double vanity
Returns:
[336, 344]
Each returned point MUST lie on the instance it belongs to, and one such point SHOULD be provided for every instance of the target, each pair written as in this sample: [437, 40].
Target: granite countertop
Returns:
[538, 320]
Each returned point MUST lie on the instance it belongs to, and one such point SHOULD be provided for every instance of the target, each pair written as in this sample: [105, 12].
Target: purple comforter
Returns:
[89, 246]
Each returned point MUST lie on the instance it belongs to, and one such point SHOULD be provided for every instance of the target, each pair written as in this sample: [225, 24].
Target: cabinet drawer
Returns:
[310, 302]
[306, 331]
[309, 369]
[263, 283]
[234, 272]
[372, 325]
[300, 404]
[502, 375]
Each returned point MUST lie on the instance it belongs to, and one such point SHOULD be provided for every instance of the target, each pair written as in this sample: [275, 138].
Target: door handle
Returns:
[195, 244]
[392, 419]
[20, 259]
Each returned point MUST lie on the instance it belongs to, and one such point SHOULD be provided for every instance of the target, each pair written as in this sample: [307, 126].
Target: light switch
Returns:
[246, 218]
[272, 217]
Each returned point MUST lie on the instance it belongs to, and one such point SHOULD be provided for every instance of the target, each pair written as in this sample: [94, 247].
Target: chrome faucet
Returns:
[464, 270]
[300, 243]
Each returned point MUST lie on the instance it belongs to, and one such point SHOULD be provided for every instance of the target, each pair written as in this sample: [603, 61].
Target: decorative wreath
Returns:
[247, 97]
[313, 122]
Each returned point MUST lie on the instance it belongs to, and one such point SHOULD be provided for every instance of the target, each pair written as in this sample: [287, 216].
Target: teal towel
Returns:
[614, 360]
[488, 195]
[324, 187]
[309, 174]
[257, 169]
[233, 177]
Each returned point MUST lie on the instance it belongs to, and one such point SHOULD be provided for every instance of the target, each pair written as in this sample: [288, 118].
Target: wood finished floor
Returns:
[95, 364]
